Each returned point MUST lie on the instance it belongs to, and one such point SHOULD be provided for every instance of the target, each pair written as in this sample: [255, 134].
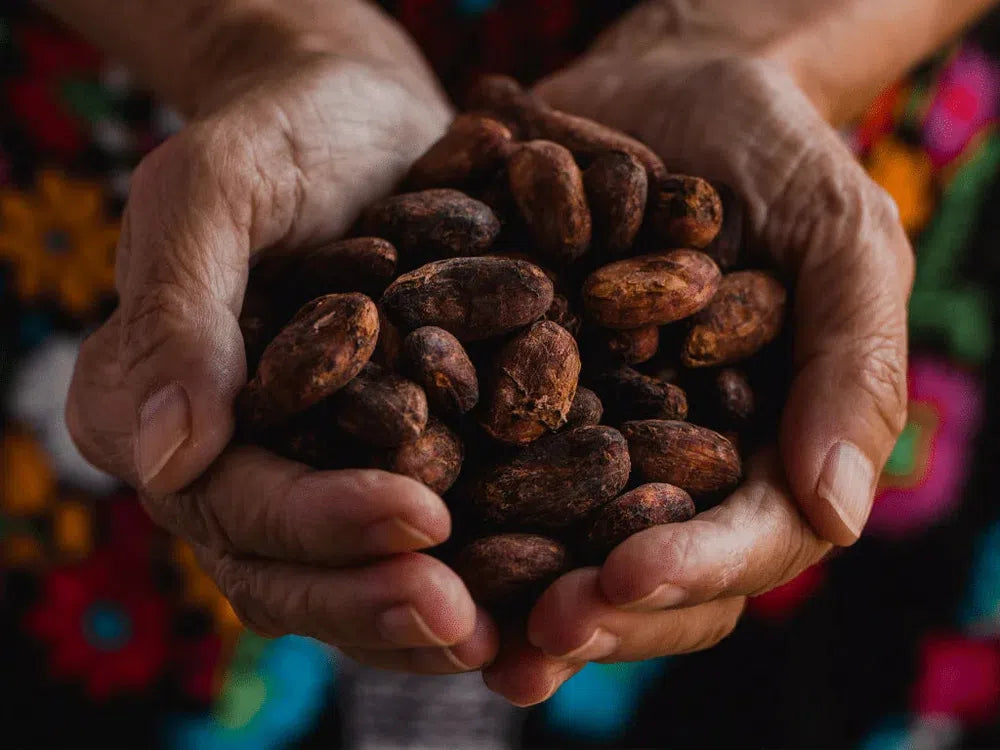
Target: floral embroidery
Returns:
[59, 241]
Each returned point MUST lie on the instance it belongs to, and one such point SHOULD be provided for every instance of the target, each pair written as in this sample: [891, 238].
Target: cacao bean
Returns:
[745, 314]
[381, 408]
[735, 395]
[473, 147]
[585, 411]
[323, 347]
[637, 510]
[510, 568]
[434, 458]
[617, 189]
[471, 298]
[632, 347]
[560, 312]
[727, 248]
[556, 480]
[535, 382]
[650, 289]
[547, 187]
[433, 224]
[533, 119]
[359, 264]
[685, 212]
[630, 395]
[693, 458]
[437, 360]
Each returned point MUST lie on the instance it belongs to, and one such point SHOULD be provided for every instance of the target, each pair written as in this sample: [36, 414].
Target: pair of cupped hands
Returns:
[285, 160]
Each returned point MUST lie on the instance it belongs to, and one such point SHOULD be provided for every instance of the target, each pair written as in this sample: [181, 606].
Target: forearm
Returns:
[842, 52]
[191, 51]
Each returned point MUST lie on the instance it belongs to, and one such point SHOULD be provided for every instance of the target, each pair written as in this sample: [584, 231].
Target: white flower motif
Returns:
[37, 398]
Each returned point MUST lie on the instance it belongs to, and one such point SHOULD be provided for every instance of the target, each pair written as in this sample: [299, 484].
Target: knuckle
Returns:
[246, 588]
[882, 378]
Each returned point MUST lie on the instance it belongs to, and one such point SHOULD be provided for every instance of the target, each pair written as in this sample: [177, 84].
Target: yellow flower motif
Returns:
[27, 485]
[907, 175]
[59, 241]
[201, 590]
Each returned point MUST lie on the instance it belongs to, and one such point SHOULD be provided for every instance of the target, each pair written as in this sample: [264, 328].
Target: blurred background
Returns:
[111, 637]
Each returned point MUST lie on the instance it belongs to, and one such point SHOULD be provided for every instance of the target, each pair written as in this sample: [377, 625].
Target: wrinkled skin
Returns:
[286, 162]
[288, 159]
[682, 587]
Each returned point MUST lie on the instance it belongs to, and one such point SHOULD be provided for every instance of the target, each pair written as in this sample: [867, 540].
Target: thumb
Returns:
[182, 269]
[848, 400]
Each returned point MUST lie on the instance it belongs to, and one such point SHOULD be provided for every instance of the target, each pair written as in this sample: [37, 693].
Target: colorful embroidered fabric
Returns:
[112, 637]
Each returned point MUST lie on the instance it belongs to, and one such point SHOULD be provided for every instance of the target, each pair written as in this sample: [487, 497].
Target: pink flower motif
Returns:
[965, 101]
[960, 678]
[782, 602]
[923, 481]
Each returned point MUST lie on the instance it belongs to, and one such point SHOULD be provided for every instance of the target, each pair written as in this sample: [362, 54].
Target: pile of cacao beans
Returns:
[567, 342]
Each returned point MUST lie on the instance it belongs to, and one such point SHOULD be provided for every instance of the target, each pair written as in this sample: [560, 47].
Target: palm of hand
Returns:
[682, 587]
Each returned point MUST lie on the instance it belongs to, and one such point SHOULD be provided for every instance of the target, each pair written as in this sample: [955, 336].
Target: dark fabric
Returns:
[111, 637]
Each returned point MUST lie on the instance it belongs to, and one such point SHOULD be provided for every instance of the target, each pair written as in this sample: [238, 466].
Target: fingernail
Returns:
[164, 425]
[404, 626]
[429, 660]
[396, 535]
[460, 665]
[557, 682]
[847, 483]
[664, 596]
[601, 644]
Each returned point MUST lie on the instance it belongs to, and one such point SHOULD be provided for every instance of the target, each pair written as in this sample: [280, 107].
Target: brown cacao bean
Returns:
[630, 395]
[556, 480]
[727, 248]
[510, 568]
[650, 289]
[471, 298]
[434, 458]
[534, 385]
[381, 408]
[617, 189]
[547, 187]
[632, 346]
[735, 395]
[746, 313]
[693, 458]
[685, 212]
[473, 147]
[323, 347]
[504, 97]
[433, 224]
[437, 360]
[637, 510]
[586, 410]
[358, 264]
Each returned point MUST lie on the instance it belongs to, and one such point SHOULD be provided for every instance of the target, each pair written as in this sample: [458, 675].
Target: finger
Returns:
[469, 655]
[523, 675]
[755, 540]
[253, 503]
[848, 401]
[183, 261]
[98, 407]
[408, 601]
[573, 622]
[814, 208]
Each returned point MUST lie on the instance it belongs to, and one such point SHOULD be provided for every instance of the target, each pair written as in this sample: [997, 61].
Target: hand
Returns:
[284, 159]
[742, 120]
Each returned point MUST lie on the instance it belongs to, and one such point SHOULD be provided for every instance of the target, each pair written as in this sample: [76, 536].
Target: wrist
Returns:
[236, 45]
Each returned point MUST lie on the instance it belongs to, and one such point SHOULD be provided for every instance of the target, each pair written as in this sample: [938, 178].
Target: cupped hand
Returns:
[743, 121]
[278, 162]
